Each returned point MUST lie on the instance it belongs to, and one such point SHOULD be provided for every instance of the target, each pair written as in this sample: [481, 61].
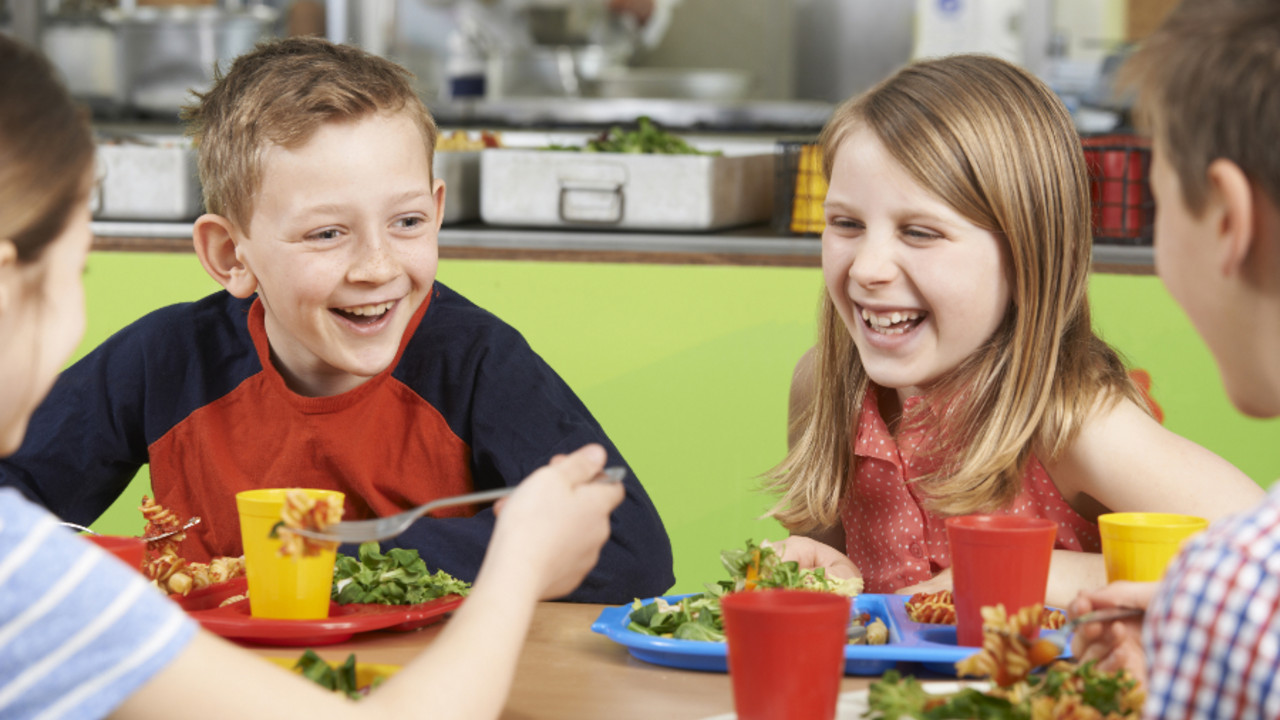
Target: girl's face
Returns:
[41, 320]
[919, 287]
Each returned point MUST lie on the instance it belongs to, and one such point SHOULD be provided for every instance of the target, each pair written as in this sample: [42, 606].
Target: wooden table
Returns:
[568, 672]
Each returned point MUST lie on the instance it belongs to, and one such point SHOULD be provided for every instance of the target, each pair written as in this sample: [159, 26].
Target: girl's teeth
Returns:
[883, 323]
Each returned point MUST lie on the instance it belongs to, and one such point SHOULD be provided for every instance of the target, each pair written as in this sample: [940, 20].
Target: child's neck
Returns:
[890, 405]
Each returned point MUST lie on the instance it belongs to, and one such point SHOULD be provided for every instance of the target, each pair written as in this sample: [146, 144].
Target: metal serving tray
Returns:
[460, 170]
[556, 188]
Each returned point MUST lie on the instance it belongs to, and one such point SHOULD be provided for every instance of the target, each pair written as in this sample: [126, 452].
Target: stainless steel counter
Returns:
[754, 245]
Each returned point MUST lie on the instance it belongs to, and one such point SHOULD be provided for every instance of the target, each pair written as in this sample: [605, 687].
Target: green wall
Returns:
[688, 367]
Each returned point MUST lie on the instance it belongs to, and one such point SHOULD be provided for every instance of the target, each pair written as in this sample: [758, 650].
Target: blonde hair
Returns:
[1208, 87]
[993, 142]
[46, 151]
[281, 93]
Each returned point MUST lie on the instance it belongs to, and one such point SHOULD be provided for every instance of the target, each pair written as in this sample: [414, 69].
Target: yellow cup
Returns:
[293, 588]
[1138, 546]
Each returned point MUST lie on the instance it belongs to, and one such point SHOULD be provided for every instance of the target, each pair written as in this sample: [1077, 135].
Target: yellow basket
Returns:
[801, 189]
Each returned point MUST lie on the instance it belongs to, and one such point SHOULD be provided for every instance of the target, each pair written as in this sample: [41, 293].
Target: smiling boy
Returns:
[334, 359]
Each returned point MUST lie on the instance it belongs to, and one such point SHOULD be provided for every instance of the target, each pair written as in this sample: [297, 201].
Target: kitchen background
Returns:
[679, 335]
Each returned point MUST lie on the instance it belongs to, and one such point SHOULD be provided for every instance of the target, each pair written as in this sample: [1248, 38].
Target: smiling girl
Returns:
[956, 370]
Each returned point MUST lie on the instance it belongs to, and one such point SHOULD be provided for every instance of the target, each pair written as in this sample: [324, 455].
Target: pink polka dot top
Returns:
[888, 534]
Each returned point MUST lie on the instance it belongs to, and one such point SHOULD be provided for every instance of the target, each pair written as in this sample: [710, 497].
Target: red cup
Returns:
[997, 560]
[786, 652]
[128, 549]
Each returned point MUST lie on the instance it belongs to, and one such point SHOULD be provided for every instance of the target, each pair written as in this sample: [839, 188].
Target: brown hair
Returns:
[1208, 87]
[280, 93]
[996, 144]
[46, 151]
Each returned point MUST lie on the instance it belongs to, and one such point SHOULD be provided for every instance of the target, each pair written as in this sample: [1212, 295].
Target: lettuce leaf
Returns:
[757, 566]
[398, 577]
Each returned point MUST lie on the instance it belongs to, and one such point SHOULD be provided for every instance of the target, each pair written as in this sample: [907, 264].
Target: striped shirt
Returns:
[79, 630]
[1212, 631]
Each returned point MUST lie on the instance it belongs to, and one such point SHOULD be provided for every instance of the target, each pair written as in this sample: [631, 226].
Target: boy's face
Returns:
[1186, 261]
[342, 243]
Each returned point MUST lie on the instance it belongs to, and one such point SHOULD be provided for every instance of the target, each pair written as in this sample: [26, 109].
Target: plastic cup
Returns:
[292, 588]
[129, 549]
[786, 652]
[997, 560]
[1138, 546]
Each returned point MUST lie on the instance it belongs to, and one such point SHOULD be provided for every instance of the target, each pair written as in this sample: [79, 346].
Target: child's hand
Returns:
[550, 531]
[1117, 644]
[941, 581]
[811, 553]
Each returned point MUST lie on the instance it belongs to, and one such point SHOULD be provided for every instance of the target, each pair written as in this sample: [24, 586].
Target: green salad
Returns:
[698, 617]
[397, 577]
[647, 138]
[340, 679]
[1064, 690]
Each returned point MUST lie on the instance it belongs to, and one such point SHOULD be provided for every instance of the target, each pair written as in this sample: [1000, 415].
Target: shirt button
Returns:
[915, 550]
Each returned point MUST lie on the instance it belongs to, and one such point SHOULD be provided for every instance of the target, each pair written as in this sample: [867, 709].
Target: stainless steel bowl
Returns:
[677, 83]
[166, 52]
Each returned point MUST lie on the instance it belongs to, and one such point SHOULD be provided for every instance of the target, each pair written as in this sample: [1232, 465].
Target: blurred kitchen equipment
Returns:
[685, 83]
[166, 52]
[460, 171]
[626, 191]
[1123, 207]
[800, 188]
[147, 177]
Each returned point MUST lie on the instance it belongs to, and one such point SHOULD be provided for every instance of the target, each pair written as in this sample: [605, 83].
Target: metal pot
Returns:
[164, 53]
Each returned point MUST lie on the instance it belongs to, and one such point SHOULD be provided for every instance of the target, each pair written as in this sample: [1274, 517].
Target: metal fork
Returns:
[150, 538]
[358, 531]
[1062, 635]
[1059, 638]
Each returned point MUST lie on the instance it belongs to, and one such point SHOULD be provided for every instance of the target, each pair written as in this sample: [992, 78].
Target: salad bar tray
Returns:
[934, 646]
[234, 622]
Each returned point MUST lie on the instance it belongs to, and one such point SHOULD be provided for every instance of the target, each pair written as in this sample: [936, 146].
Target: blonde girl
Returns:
[956, 370]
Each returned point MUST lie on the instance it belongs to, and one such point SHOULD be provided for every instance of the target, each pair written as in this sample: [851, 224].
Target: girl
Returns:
[81, 634]
[956, 371]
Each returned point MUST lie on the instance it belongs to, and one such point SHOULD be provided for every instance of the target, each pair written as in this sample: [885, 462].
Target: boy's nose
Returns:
[373, 262]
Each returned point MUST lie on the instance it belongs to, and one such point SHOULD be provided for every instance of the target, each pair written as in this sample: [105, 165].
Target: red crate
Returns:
[1123, 209]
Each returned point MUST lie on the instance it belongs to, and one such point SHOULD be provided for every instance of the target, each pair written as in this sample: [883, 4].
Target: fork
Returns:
[1058, 638]
[150, 538]
[358, 531]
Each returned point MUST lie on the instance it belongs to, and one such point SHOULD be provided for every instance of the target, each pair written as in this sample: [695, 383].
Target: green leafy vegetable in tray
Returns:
[646, 138]
[398, 577]
[698, 617]
[340, 679]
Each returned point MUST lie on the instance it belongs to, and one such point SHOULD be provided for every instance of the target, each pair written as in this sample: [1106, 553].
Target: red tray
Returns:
[233, 621]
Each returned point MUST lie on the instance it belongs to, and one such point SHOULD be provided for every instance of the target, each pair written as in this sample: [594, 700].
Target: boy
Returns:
[333, 359]
[1209, 91]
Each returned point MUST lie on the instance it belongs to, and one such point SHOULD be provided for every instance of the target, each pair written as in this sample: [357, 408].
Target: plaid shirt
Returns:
[1213, 629]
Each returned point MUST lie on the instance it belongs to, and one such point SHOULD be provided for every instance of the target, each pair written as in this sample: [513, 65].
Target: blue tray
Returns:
[932, 645]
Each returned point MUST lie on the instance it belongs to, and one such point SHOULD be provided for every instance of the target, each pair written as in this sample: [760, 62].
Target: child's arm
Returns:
[1125, 461]
[548, 537]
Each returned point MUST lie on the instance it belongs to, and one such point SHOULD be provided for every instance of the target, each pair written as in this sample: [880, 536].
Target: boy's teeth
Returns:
[368, 310]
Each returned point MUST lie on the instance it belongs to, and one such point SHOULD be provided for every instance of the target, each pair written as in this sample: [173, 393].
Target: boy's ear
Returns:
[1235, 233]
[8, 274]
[438, 193]
[215, 242]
